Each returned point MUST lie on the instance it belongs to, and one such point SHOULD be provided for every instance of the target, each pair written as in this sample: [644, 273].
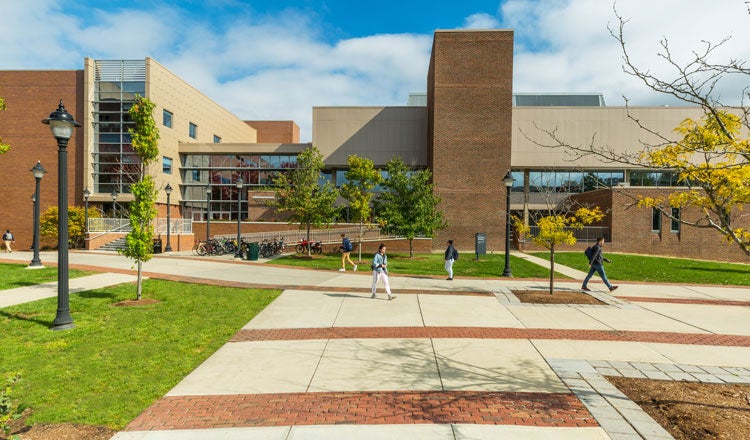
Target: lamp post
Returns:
[239, 184]
[168, 190]
[208, 212]
[86, 195]
[114, 203]
[62, 123]
[508, 180]
[38, 171]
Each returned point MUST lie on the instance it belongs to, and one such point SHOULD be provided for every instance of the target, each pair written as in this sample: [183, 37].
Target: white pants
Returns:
[377, 276]
[449, 267]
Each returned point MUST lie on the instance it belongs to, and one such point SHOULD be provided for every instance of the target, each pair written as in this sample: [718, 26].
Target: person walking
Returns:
[451, 255]
[380, 271]
[596, 264]
[346, 250]
[8, 239]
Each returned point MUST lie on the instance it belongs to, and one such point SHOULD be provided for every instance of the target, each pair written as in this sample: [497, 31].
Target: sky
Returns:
[276, 59]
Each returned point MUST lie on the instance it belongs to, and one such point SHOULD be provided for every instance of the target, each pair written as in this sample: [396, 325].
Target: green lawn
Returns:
[118, 359]
[625, 267]
[490, 265]
[17, 275]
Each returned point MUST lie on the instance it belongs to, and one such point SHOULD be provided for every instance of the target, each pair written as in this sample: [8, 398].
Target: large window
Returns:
[115, 166]
[660, 178]
[566, 181]
[219, 172]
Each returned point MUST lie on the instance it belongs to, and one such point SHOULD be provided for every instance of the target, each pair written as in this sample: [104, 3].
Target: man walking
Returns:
[346, 250]
[8, 239]
[451, 255]
[596, 264]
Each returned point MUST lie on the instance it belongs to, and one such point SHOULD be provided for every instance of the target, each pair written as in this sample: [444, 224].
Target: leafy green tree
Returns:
[145, 141]
[409, 207]
[361, 178]
[556, 229]
[3, 147]
[76, 224]
[299, 193]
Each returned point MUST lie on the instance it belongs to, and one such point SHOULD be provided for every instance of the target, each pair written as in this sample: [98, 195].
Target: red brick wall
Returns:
[469, 118]
[30, 97]
[276, 132]
[631, 228]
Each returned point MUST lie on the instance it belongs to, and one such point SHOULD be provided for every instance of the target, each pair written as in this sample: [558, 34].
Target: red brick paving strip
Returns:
[400, 407]
[693, 301]
[489, 333]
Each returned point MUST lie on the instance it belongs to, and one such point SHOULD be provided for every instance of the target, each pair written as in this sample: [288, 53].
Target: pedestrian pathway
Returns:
[445, 360]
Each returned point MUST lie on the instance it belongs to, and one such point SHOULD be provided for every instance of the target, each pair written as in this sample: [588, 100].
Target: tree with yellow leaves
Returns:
[557, 229]
[713, 157]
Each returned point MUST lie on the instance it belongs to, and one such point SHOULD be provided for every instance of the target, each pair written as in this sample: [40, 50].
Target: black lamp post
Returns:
[508, 180]
[239, 184]
[208, 212]
[86, 195]
[62, 123]
[168, 190]
[38, 171]
[114, 203]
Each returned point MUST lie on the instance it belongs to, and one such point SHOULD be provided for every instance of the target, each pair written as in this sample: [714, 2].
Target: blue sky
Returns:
[276, 59]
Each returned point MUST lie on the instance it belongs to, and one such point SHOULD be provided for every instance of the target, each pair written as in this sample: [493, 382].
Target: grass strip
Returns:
[118, 359]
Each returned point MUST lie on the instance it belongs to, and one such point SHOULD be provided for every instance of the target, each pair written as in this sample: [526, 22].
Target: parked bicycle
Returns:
[315, 247]
[210, 247]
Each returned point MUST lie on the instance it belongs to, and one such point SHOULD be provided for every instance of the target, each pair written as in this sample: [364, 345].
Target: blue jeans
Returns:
[600, 269]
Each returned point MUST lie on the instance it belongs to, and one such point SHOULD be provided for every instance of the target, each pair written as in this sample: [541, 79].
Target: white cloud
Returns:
[481, 21]
[279, 67]
[565, 46]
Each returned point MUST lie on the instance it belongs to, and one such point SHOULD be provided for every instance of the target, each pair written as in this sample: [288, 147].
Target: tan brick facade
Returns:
[30, 97]
[469, 100]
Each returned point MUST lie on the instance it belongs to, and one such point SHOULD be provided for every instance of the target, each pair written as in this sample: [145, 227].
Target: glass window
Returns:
[196, 176]
[166, 165]
[217, 139]
[167, 118]
[341, 178]
[655, 220]
[193, 131]
[517, 181]
[675, 220]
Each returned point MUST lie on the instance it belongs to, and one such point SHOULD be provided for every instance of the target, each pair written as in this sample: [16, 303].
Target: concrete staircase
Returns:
[114, 246]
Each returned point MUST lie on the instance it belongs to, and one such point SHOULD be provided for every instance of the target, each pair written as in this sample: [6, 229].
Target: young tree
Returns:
[361, 178]
[145, 140]
[713, 156]
[300, 194]
[557, 229]
[409, 207]
[3, 147]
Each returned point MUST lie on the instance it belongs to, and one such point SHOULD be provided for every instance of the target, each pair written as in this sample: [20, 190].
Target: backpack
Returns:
[455, 254]
[347, 245]
[589, 252]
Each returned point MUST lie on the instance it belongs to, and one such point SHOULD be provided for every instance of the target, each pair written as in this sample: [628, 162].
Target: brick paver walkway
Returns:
[408, 407]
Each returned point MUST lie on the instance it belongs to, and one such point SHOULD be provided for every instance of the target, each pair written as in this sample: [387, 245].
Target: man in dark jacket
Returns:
[596, 264]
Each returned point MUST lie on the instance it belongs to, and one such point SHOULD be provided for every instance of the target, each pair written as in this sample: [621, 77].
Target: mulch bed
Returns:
[558, 297]
[691, 410]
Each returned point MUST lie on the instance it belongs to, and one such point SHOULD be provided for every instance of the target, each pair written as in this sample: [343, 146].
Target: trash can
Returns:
[157, 245]
[252, 251]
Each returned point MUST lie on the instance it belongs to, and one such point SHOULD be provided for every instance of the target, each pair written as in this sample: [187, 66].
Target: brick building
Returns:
[470, 130]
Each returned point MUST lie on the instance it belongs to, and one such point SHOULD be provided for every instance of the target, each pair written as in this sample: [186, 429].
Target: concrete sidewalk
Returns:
[444, 360]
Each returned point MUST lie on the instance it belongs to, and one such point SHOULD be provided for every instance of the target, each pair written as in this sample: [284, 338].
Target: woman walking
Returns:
[380, 271]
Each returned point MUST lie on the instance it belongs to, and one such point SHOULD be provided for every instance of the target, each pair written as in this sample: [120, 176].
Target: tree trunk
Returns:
[552, 269]
[411, 248]
[139, 283]
[360, 242]
[309, 245]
